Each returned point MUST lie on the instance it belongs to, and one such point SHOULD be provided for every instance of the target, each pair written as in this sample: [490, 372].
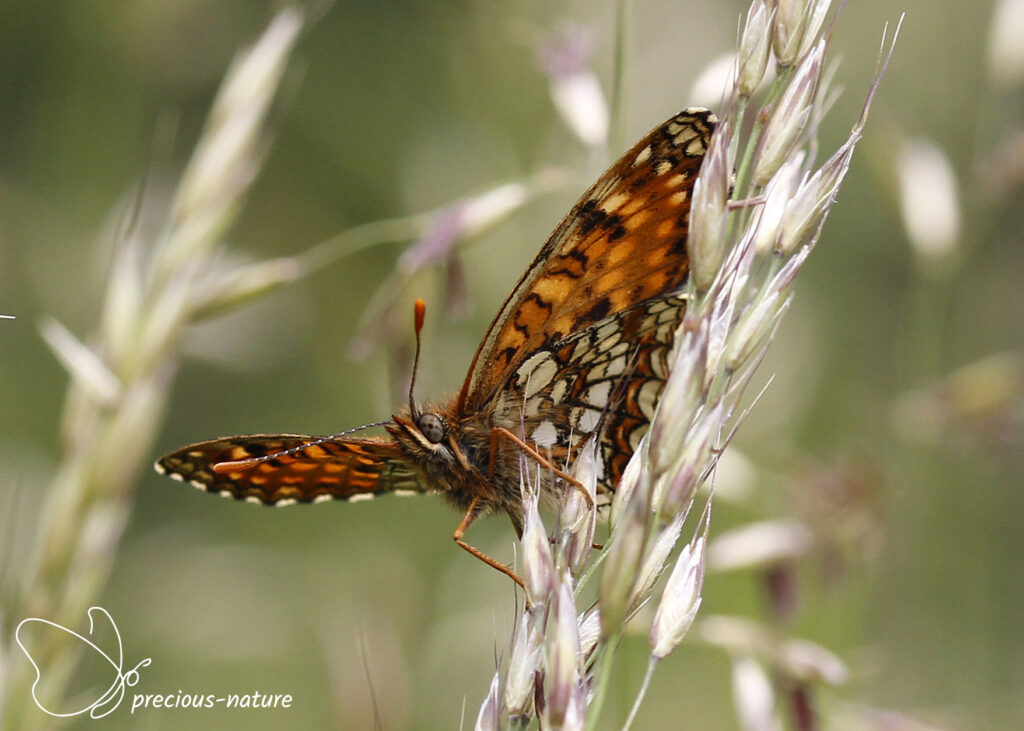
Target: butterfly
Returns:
[579, 349]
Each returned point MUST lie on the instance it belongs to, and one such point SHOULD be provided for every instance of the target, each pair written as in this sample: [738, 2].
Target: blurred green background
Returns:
[914, 490]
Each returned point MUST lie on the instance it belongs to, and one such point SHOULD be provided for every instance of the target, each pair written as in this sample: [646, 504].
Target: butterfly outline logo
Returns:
[114, 694]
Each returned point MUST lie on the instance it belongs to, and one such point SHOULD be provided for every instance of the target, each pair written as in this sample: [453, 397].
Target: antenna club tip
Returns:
[420, 313]
[234, 465]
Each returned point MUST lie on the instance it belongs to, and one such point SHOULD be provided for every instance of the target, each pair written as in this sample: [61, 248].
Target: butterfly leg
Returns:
[499, 431]
[467, 519]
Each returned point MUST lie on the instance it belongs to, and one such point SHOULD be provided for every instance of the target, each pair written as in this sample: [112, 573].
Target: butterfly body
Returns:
[580, 348]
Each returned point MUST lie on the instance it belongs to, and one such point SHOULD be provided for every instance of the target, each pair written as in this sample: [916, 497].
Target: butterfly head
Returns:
[432, 426]
[429, 438]
[425, 431]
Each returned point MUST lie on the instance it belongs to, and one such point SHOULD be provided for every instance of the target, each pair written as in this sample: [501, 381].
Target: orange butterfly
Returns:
[579, 348]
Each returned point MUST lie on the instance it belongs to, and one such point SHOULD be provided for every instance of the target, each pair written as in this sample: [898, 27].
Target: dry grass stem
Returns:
[120, 379]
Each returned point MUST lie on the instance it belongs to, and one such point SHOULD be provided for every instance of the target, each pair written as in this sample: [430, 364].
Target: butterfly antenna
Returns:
[419, 314]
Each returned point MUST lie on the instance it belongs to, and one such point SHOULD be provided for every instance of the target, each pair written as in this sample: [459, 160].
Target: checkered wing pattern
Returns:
[582, 341]
[292, 468]
[606, 379]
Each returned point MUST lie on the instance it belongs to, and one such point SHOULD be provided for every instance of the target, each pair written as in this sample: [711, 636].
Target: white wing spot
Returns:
[326, 497]
[404, 493]
[583, 352]
[537, 372]
[643, 156]
[685, 135]
[618, 349]
[696, 147]
[663, 167]
[659, 362]
[617, 366]
[559, 391]
[253, 499]
[666, 317]
[608, 334]
[598, 395]
[545, 435]
[286, 502]
[361, 496]
[201, 486]
[648, 397]
[589, 420]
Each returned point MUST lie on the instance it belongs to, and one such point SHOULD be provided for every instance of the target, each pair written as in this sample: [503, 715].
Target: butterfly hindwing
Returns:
[607, 378]
[292, 468]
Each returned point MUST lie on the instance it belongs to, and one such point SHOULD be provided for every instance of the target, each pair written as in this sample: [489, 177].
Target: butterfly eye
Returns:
[432, 427]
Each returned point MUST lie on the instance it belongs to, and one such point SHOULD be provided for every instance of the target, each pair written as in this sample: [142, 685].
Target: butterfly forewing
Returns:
[292, 468]
[581, 345]
[624, 242]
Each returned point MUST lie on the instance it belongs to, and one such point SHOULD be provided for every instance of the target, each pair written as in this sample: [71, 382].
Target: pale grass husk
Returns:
[120, 378]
